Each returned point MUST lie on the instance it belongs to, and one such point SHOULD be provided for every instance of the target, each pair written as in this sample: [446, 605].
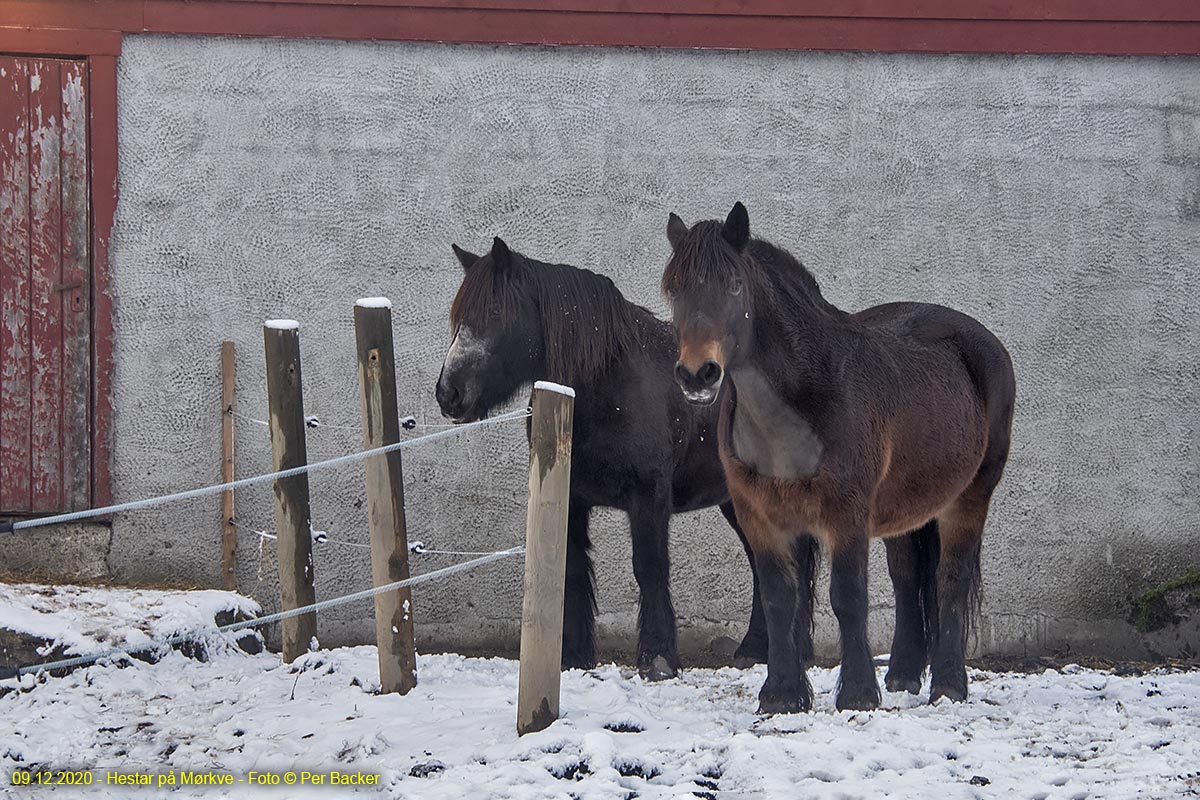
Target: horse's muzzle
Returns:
[700, 387]
[452, 401]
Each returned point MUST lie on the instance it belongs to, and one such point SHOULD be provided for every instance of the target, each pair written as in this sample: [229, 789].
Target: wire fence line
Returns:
[415, 548]
[199, 633]
[11, 527]
[314, 422]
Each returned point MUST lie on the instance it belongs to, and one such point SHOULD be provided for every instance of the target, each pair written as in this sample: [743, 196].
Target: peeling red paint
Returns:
[45, 371]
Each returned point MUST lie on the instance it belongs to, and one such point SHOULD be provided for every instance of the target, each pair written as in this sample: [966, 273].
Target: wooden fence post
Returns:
[385, 495]
[229, 536]
[293, 521]
[545, 556]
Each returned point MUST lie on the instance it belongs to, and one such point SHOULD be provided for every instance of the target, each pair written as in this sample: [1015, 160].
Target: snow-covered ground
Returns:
[1070, 734]
[78, 620]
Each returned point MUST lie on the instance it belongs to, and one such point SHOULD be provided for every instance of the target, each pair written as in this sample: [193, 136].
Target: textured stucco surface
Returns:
[1056, 199]
[59, 552]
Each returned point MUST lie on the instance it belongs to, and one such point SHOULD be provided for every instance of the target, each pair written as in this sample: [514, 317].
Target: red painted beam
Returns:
[242, 18]
[1062, 10]
[1114, 27]
[59, 41]
[109, 15]
[102, 85]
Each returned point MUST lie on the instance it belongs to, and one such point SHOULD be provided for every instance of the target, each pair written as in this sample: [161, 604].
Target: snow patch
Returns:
[373, 302]
[550, 386]
[84, 619]
[282, 324]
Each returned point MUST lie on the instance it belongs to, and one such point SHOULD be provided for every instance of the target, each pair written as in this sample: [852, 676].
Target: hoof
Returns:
[778, 704]
[858, 698]
[957, 694]
[781, 701]
[657, 670]
[750, 653]
[899, 684]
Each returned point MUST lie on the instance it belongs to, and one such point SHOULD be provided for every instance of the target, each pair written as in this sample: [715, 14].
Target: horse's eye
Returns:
[735, 287]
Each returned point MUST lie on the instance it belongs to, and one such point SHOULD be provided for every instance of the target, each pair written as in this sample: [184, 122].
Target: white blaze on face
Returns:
[465, 350]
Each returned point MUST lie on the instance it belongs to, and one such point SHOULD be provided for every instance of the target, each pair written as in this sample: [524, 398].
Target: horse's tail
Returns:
[991, 370]
[927, 545]
[973, 576]
[807, 552]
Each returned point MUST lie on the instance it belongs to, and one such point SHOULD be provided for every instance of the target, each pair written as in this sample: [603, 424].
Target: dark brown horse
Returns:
[893, 422]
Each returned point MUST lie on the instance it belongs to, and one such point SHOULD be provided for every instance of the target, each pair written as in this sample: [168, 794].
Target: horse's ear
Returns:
[736, 229]
[464, 258]
[501, 255]
[677, 230]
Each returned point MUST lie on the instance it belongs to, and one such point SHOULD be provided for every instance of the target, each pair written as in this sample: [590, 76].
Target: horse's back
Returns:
[984, 355]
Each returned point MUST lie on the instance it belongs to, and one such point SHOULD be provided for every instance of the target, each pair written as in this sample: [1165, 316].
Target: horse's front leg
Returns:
[786, 689]
[857, 686]
[649, 522]
[579, 602]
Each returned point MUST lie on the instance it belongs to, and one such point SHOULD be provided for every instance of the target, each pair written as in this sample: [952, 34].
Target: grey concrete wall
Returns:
[61, 553]
[1056, 199]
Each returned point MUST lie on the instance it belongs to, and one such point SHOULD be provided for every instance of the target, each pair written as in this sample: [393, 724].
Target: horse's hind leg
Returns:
[961, 529]
[858, 688]
[912, 562]
[579, 602]
[649, 522]
[753, 649]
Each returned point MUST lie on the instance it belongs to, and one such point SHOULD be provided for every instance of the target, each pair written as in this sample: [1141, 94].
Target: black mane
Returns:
[705, 257]
[586, 321]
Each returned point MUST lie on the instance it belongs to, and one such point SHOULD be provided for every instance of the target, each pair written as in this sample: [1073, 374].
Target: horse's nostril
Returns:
[709, 373]
[449, 397]
[682, 376]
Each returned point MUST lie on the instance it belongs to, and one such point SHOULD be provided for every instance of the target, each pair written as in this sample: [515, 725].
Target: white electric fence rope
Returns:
[416, 548]
[270, 476]
[324, 540]
[313, 422]
[198, 633]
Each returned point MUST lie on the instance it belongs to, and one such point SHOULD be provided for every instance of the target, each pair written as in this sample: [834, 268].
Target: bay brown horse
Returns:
[638, 446]
[893, 422]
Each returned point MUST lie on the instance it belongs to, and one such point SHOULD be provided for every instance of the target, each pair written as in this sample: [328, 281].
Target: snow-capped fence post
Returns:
[385, 495]
[293, 521]
[229, 528]
[545, 556]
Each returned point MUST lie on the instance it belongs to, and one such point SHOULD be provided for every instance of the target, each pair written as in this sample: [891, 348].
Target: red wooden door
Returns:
[45, 287]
